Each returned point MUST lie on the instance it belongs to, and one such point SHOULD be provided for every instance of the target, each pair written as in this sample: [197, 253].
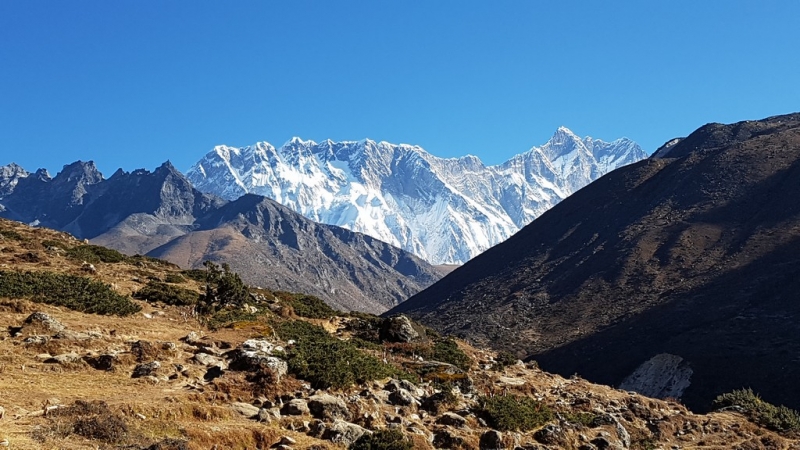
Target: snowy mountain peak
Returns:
[444, 210]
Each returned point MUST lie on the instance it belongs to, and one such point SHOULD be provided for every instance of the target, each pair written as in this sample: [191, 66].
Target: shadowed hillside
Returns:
[691, 253]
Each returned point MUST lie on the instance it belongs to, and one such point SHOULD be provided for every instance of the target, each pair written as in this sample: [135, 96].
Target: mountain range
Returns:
[446, 211]
[678, 273]
[160, 213]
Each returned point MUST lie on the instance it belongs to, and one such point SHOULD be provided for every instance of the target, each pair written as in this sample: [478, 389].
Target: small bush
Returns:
[776, 418]
[503, 360]
[385, 439]
[94, 254]
[224, 288]
[229, 317]
[11, 235]
[514, 413]
[165, 293]
[448, 351]
[79, 293]
[174, 278]
[92, 420]
[307, 305]
[196, 274]
[327, 362]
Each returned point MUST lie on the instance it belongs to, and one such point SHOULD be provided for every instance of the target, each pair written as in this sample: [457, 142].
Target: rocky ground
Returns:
[163, 379]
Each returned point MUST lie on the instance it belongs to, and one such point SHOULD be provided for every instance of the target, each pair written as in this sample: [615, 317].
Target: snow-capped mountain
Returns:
[444, 210]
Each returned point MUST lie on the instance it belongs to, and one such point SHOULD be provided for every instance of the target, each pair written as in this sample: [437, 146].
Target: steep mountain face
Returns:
[688, 258]
[160, 213]
[443, 210]
[9, 177]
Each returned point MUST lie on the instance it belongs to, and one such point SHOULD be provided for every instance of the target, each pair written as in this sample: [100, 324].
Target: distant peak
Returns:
[297, 141]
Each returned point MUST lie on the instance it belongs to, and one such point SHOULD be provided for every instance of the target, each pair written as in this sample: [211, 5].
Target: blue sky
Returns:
[132, 83]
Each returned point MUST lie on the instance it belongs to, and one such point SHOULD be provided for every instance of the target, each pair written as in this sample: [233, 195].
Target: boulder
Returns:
[452, 420]
[345, 433]
[102, 362]
[207, 360]
[402, 397]
[491, 440]
[42, 321]
[328, 407]
[245, 409]
[400, 329]
[295, 407]
[65, 358]
[146, 369]
[550, 435]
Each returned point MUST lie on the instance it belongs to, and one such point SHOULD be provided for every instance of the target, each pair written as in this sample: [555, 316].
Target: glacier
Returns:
[445, 210]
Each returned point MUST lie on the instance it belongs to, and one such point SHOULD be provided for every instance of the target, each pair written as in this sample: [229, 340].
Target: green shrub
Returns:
[74, 292]
[196, 274]
[327, 362]
[776, 418]
[514, 413]
[503, 360]
[11, 235]
[224, 288]
[307, 305]
[228, 317]
[47, 243]
[94, 254]
[165, 293]
[174, 278]
[384, 439]
[448, 351]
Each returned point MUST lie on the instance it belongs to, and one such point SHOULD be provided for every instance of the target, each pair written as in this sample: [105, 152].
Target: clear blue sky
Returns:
[132, 83]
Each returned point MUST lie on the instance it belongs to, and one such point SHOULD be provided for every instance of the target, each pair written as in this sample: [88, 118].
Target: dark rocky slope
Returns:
[693, 253]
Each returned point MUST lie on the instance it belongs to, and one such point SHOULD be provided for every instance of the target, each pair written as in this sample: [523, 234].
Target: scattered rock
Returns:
[450, 440]
[295, 407]
[452, 419]
[36, 340]
[550, 435]
[328, 407]
[42, 321]
[2, 412]
[146, 369]
[64, 358]
[77, 335]
[399, 329]
[492, 440]
[102, 362]
[204, 359]
[402, 397]
[213, 372]
[341, 432]
[245, 409]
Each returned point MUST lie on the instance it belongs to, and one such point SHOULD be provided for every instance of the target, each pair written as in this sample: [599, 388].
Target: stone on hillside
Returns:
[43, 321]
[245, 409]
[399, 329]
[449, 439]
[550, 435]
[402, 397]
[36, 340]
[295, 407]
[146, 369]
[65, 358]
[207, 360]
[492, 440]
[345, 433]
[69, 335]
[452, 419]
[213, 372]
[328, 407]
[435, 402]
[102, 362]
[254, 354]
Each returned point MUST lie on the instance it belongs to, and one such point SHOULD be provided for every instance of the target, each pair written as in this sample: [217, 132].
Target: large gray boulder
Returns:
[328, 407]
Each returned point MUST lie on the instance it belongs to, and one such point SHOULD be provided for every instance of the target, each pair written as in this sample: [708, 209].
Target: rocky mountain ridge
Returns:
[160, 213]
[443, 210]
